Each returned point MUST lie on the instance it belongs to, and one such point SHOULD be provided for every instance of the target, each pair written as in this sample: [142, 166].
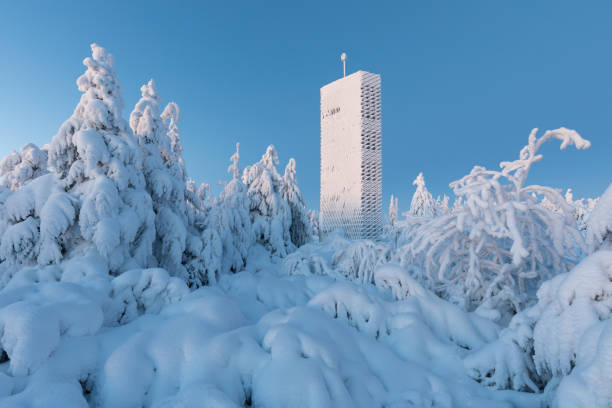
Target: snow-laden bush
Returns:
[142, 291]
[37, 218]
[164, 180]
[17, 169]
[501, 242]
[307, 261]
[563, 332]
[358, 260]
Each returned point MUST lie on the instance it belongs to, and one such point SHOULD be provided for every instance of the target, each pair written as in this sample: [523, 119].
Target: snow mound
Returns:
[145, 291]
[574, 302]
[34, 318]
[561, 339]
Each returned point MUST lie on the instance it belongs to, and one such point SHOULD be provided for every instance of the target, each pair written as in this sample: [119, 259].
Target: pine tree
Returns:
[300, 229]
[270, 214]
[171, 116]
[164, 180]
[99, 163]
[422, 204]
[313, 219]
[237, 237]
[393, 206]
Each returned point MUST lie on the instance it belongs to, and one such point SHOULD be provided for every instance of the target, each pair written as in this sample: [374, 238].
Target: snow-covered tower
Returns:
[351, 156]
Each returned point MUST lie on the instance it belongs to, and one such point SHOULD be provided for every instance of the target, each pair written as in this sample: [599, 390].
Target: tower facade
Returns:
[351, 156]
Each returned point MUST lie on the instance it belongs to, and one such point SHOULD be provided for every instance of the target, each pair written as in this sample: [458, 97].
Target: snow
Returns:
[599, 224]
[124, 283]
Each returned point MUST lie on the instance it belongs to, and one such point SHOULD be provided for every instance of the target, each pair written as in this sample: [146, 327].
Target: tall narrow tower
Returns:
[351, 156]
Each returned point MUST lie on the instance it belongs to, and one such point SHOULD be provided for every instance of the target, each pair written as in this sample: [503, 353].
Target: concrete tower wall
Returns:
[351, 157]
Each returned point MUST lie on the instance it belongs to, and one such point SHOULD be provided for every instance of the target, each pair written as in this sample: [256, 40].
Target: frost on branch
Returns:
[501, 242]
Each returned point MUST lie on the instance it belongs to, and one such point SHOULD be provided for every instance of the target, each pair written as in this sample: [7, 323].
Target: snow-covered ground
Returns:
[76, 336]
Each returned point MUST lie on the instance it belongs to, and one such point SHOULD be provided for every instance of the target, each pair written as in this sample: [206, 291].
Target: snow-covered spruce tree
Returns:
[34, 210]
[228, 236]
[238, 236]
[16, 169]
[393, 205]
[422, 204]
[392, 228]
[164, 181]
[99, 163]
[580, 209]
[300, 229]
[501, 243]
[270, 214]
[313, 220]
[194, 198]
[171, 116]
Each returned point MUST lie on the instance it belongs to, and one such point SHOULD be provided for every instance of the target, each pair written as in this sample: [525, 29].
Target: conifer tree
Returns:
[270, 214]
[164, 181]
[99, 163]
[422, 204]
[237, 237]
[300, 229]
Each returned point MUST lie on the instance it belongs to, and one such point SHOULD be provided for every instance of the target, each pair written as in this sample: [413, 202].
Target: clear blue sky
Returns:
[463, 81]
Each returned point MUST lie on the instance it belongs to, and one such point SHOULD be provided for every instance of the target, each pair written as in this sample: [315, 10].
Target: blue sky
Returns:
[463, 81]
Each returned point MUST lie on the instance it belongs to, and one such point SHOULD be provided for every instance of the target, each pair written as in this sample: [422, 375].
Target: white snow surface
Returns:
[261, 338]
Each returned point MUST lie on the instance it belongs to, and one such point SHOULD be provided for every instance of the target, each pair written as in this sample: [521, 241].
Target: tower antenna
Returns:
[343, 59]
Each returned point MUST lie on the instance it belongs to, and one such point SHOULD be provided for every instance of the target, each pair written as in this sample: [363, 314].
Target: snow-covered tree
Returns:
[34, 209]
[171, 116]
[99, 163]
[300, 229]
[599, 226]
[501, 242]
[270, 213]
[16, 169]
[164, 181]
[393, 206]
[236, 236]
[313, 220]
[422, 204]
